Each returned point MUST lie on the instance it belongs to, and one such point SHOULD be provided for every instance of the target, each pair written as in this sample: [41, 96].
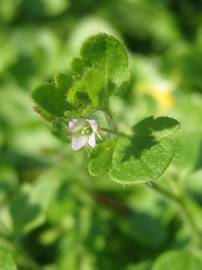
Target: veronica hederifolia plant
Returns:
[70, 105]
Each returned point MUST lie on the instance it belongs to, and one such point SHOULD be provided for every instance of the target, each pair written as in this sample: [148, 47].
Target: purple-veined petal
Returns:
[73, 122]
[78, 142]
[93, 124]
[91, 140]
[75, 125]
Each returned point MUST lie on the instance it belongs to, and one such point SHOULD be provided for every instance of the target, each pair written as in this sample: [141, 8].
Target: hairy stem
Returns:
[179, 201]
[110, 120]
[114, 132]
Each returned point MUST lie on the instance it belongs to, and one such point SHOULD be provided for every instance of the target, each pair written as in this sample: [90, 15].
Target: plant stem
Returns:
[110, 120]
[112, 124]
[181, 205]
[114, 132]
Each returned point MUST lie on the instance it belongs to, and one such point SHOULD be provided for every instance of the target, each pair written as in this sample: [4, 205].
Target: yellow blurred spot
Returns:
[161, 91]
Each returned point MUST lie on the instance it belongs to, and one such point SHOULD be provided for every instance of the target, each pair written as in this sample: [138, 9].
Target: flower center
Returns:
[86, 130]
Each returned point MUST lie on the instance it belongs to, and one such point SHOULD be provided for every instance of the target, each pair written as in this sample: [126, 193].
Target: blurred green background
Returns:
[53, 215]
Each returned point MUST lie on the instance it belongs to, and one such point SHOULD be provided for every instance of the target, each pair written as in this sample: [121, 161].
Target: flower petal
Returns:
[79, 142]
[93, 124]
[75, 125]
[91, 140]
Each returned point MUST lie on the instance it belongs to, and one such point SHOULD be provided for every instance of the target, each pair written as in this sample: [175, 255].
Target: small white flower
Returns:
[84, 132]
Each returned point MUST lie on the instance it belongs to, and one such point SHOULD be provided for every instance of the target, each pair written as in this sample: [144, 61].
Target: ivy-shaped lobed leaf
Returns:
[101, 71]
[108, 63]
[147, 153]
[51, 97]
[141, 157]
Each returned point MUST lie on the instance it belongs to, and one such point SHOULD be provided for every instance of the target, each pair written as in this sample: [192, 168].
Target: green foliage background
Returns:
[53, 214]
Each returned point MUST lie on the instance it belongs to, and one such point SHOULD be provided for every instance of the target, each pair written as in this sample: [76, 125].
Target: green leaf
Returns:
[60, 129]
[164, 126]
[136, 223]
[161, 126]
[178, 260]
[94, 83]
[145, 155]
[78, 68]
[52, 97]
[101, 158]
[63, 82]
[103, 67]
[6, 261]
[29, 205]
[77, 95]
[106, 53]
[49, 99]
